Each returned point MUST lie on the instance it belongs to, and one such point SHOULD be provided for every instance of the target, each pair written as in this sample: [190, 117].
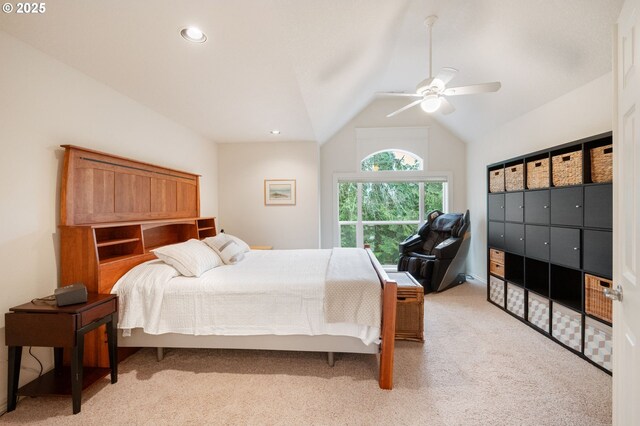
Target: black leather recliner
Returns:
[436, 255]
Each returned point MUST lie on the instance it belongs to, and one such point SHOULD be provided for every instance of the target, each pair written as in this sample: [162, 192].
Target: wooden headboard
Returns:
[101, 188]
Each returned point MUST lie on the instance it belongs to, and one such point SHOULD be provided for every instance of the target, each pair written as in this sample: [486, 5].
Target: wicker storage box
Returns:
[515, 300]
[496, 180]
[595, 302]
[514, 178]
[538, 174]
[496, 291]
[409, 308]
[566, 326]
[496, 256]
[496, 268]
[567, 168]
[538, 314]
[602, 164]
[598, 342]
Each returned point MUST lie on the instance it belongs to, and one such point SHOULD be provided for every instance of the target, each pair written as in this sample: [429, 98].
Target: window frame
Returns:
[412, 154]
[386, 176]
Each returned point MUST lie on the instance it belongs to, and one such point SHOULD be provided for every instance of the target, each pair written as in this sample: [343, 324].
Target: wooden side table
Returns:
[410, 307]
[60, 327]
[261, 247]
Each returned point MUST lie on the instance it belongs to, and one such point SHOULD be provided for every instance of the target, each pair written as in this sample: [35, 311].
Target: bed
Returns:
[277, 300]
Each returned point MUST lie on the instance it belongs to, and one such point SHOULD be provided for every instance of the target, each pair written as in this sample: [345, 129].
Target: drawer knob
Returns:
[545, 207]
[578, 206]
[502, 207]
[521, 207]
[576, 248]
[521, 239]
[501, 236]
[546, 243]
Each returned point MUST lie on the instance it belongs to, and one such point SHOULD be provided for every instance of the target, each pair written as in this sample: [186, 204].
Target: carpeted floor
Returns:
[478, 366]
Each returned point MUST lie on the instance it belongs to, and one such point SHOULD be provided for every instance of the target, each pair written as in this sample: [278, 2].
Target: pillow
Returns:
[191, 258]
[244, 246]
[229, 250]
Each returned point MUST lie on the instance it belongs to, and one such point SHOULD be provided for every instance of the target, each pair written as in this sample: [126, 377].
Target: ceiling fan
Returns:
[431, 93]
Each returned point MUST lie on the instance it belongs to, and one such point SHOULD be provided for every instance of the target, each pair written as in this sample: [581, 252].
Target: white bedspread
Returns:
[278, 292]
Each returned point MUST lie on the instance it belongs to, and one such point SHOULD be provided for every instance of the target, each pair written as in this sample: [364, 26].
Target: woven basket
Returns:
[602, 164]
[514, 178]
[538, 174]
[596, 303]
[567, 168]
[496, 180]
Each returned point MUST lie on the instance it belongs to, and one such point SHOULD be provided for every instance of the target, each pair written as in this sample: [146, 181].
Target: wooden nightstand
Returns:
[410, 307]
[60, 327]
[261, 247]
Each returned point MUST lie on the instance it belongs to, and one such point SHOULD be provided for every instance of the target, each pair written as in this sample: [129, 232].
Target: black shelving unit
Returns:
[551, 236]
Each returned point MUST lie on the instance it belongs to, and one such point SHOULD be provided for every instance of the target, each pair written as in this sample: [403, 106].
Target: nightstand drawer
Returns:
[33, 329]
[98, 312]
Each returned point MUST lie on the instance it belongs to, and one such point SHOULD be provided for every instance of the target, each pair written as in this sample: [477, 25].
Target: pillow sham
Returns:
[229, 250]
[191, 258]
[244, 246]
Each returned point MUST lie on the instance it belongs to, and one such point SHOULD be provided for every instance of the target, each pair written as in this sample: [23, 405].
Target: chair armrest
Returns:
[410, 244]
[448, 248]
[423, 256]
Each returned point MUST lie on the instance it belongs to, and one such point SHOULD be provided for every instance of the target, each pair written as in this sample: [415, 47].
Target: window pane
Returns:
[384, 240]
[391, 160]
[347, 235]
[390, 201]
[347, 201]
[433, 196]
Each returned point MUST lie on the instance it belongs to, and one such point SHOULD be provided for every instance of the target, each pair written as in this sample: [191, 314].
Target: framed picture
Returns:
[279, 192]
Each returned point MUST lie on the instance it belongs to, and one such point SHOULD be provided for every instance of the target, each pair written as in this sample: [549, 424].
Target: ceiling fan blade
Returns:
[412, 104]
[472, 89]
[446, 74]
[445, 106]
[411, 95]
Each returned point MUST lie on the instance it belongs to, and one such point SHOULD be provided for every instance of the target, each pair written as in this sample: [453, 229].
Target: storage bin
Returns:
[567, 168]
[496, 256]
[598, 343]
[602, 164]
[496, 291]
[566, 326]
[496, 180]
[514, 178]
[515, 300]
[595, 302]
[409, 308]
[538, 311]
[496, 268]
[538, 174]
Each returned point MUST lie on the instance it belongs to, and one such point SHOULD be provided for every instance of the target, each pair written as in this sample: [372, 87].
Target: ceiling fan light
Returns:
[431, 103]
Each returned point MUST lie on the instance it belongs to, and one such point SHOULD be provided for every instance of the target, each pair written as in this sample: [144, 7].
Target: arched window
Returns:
[391, 160]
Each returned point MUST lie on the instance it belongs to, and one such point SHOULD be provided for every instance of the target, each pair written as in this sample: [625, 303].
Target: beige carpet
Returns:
[479, 366]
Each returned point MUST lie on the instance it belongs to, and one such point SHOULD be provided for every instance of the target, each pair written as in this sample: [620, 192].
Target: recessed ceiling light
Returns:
[193, 34]
[275, 132]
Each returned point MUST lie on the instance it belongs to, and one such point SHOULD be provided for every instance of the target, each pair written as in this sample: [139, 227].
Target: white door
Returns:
[626, 228]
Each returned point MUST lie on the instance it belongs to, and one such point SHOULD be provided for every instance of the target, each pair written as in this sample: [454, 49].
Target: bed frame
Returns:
[114, 211]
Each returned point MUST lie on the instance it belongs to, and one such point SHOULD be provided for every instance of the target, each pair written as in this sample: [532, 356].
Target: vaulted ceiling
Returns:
[307, 67]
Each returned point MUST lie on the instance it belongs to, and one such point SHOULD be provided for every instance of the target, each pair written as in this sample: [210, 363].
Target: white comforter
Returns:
[277, 292]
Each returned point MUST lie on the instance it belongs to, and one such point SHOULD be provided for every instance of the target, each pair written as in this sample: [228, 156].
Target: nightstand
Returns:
[261, 247]
[61, 328]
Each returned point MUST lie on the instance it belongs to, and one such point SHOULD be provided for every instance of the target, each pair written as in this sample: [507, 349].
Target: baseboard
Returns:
[477, 278]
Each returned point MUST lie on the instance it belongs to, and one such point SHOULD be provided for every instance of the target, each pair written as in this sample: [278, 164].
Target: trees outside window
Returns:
[382, 213]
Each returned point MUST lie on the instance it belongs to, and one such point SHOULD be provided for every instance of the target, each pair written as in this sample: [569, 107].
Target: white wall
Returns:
[43, 104]
[243, 167]
[583, 112]
[446, 153]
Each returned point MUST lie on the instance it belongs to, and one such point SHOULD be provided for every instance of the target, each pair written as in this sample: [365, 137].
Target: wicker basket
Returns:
[496, 269]
[538, 174]
[602, 164]
[496, 180]
[567, 168]
[514, 178]
[596, 303]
